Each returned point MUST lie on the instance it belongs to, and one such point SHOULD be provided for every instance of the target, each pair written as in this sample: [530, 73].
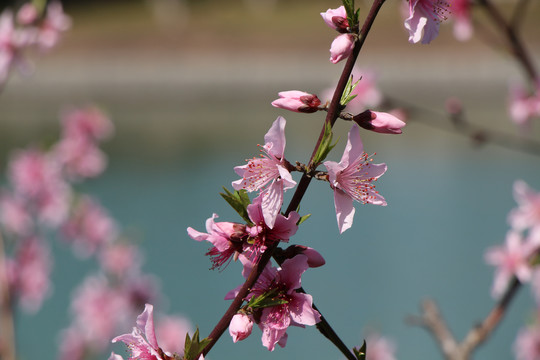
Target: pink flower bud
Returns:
[240, 327]
[341, 47]
[336, 19]
[297, 101]
[380, 122]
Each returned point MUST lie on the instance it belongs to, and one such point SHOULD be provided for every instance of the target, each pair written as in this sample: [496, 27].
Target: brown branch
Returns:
[516, 45]
[7, 327]
[331, 117]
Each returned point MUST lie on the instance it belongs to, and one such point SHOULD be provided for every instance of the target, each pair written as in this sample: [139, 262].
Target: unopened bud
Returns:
[298, 101]
[380, 122]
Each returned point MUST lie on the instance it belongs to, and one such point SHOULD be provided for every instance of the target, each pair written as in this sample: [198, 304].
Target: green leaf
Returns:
[194, 346]
[346, 97]
[352, 14]
[302, 219]
[361, 353]
[324, 147]
[239, 200]
[268, 299]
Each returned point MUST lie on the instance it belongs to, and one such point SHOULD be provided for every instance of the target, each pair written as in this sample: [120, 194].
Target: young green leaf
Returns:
[324, 147]
[239, 200]
[303, 218]
[193, 346]
[361, 353]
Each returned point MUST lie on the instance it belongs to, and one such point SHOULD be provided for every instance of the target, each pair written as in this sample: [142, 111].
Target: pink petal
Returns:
[292, 270]
[354, 148]
[276, 137]
[301, 309]
[344, 210]
[145, 322]
[272, 200]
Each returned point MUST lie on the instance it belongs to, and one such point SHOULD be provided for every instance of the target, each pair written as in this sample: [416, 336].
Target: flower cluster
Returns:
[28, 28]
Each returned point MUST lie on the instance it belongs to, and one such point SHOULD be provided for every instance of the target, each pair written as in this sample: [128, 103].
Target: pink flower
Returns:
[80, 157]
[336, 19]
[527, 344]
[510, 260]
[120, 259]
[27, 14]
[240, 327]
[33, 265]
[99, 310]
[380, 348]
[115, 357]
[227, 238]
[55, 22]
[171, 331]
[142, 341]
[14, 215]
[33, 172]
[380, 122]
[461, 13]
[12, 43]
[523, 105]
[352, 179]
[89, 227]
[297, 101]
[424, 19]
[297, 309]
[341, 47]
[261, 234]
[271, 168]
[527, 215]
[88, 122]
[314, 258]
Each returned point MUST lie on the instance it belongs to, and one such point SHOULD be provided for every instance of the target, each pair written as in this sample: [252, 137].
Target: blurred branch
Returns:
[7, 339]
[479, 135]
[433, 322]
[516, 45]
[519, 14]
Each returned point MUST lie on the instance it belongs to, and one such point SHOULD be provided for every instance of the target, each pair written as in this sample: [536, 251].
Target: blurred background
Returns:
[188, 85]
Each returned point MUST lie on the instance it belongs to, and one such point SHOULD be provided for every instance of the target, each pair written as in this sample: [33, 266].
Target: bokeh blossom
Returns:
[424, 19]
[527, 344]
[271, 168]
[352, 179]
[511, 259]
[461, 14]
[527, 214]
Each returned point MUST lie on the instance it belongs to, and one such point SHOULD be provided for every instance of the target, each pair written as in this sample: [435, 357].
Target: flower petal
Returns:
[344, 210]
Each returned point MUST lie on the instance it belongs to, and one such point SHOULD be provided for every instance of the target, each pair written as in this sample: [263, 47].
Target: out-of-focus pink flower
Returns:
[33, 265]
[341, 47]
[12, 43]
[14, 215]
[511, 259]
[171, 332]
[72, 345]
[527, 214]
[55, 22]
[336, 18]
[33, 172]
[424, 19]
[526, 346]
[89, 227]
[99, 310]
[142, 341]
[298, 101]
[271, 168]
[524, 106]
[27, 14]
[240, 327]
[120, 259]
[228, 239]
[87, 122]
[352, 179]
[80, 157]
[380, 348]
[461, 13]
[284, 281]
[380, 122]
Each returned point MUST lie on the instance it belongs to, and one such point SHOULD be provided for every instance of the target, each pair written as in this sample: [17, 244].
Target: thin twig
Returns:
[7, 326]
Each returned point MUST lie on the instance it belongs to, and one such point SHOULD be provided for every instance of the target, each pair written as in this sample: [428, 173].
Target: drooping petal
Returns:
[145, 322]
[344, 210]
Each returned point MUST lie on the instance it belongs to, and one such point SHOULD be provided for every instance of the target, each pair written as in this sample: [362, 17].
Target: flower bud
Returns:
[297, 101]
[380, 122]
[336, 19]
[341, 47]
[240, 327]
